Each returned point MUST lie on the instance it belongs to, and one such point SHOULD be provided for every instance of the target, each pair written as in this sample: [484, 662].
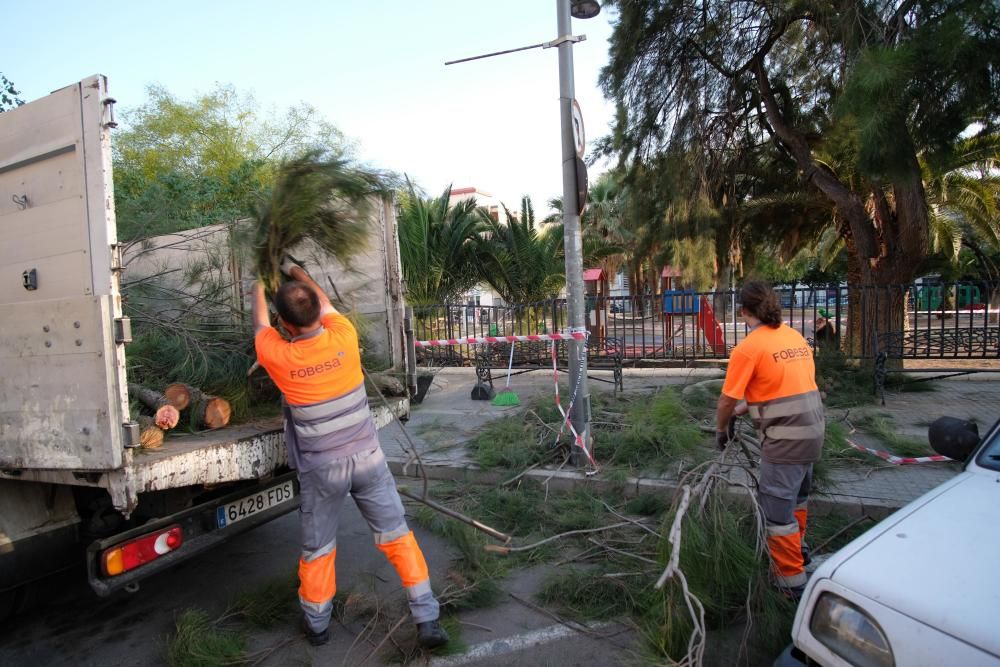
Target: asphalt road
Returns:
[65, 623]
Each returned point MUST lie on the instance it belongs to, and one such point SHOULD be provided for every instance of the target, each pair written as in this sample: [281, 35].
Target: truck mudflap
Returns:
[202, 526]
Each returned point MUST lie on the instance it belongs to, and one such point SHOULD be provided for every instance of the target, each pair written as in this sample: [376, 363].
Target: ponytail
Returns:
[761, 301]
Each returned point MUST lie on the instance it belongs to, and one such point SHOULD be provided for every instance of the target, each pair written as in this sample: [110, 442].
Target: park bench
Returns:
[602, 354]
[948, 343]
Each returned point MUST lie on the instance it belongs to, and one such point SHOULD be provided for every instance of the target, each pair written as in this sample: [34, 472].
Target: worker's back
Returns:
[314, 367]
[773, 369]
[320, 376]
[776, 362]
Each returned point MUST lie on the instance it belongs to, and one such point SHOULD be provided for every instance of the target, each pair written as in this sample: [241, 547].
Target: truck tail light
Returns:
[130, 555]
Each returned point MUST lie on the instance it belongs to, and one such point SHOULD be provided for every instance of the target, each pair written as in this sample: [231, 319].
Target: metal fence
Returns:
[942, 320]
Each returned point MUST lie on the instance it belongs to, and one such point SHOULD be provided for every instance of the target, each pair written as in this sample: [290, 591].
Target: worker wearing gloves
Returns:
[332, 444]
[773, 369]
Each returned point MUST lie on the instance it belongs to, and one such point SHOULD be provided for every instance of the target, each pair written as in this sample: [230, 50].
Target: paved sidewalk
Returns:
[974, 397]
[448, 419]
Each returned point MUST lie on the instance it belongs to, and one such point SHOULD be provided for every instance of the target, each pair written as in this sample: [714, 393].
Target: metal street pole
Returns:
[573, 243]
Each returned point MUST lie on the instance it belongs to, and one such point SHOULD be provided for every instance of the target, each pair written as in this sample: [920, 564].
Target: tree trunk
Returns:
[166, 415]
[851, 344]
[874, 309]
[208, 411]
[721, 298]
[178, 395]
[886, 242]
[150, 435]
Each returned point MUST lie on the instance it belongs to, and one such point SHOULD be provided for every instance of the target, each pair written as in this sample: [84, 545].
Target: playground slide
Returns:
[710, 327]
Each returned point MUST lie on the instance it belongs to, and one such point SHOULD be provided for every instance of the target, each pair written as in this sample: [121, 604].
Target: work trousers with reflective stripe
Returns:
[366, 477]
[792, 428]
[783, 495]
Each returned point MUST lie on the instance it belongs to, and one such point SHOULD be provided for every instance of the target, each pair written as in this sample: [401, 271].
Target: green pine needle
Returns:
[328, 201]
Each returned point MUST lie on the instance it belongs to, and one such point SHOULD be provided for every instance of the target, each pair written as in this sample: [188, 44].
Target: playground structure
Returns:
[595, 290]
[965, 296]
[681, 303]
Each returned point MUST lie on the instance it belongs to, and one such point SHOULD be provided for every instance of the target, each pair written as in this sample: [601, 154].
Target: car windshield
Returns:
[989, 456]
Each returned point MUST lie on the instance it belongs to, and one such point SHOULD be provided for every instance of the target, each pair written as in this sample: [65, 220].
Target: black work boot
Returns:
[316, 638]
[430, 634]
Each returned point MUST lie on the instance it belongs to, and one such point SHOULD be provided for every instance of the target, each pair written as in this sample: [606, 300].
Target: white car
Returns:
[922, 587]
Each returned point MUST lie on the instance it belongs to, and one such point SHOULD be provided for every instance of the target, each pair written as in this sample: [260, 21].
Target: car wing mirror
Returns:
[954, 438]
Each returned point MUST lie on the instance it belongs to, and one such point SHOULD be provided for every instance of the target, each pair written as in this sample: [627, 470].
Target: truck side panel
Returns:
[56, 386]
[62, 399]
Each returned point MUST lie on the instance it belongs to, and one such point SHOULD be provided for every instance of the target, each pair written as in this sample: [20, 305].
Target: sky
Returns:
[375, 68]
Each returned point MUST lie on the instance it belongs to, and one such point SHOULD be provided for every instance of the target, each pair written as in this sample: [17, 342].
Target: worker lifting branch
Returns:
[333, 445]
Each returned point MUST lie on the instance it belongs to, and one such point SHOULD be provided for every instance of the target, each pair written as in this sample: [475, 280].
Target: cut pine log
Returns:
[178, 395]
[165, 415]
[150, 435]
[208, 411]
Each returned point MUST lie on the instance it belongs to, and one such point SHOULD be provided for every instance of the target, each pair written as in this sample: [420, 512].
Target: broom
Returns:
[506, 396]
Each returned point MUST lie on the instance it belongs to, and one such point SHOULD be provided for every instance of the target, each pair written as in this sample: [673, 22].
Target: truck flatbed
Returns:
[243, 451]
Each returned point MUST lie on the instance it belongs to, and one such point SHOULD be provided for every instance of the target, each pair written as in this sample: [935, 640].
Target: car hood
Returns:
[938, 563]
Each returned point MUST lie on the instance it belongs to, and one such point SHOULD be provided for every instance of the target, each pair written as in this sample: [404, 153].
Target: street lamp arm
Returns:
[540, 45]
[543, 45]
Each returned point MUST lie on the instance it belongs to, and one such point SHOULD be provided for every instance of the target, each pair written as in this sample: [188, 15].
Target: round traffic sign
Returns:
[579, 139]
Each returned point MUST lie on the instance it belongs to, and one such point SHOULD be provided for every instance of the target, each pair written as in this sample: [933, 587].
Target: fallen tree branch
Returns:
[528, 469]
[492, 532]
[622, 552]
[634, 521]
[387, 637]
[572, 625]
[493, 548]
[674, 537]
[423, 498]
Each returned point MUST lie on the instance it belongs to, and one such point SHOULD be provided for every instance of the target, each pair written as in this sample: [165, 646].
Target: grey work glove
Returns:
[287, 264]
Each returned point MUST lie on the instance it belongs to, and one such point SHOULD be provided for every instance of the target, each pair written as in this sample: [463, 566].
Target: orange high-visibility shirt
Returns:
[770, 363]
[313, 369]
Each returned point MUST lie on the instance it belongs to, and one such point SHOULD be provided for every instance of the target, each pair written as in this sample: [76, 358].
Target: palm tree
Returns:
[438, 246]
[607, 238]
[963, 195]
[963, 201]
[524, 265]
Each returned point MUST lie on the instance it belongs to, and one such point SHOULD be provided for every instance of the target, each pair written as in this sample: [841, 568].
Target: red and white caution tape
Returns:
[480, 340]
[571, 335]
[577, 438]
[899, 460]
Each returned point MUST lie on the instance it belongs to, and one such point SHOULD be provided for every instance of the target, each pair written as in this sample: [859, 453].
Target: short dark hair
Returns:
[297, 303]
[762, 302]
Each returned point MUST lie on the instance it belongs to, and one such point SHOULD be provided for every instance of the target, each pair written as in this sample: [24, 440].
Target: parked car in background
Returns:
[921, 587]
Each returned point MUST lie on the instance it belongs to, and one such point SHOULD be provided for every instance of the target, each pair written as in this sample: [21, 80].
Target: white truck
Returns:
[920, 587]
[73, 483]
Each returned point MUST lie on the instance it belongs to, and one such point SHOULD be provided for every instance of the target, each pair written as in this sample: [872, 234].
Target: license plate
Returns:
[255, 504]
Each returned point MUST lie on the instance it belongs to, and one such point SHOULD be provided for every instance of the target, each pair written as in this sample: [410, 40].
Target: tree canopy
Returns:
[9, 95]
[523, 264]
[184, 164]
[847, 94]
